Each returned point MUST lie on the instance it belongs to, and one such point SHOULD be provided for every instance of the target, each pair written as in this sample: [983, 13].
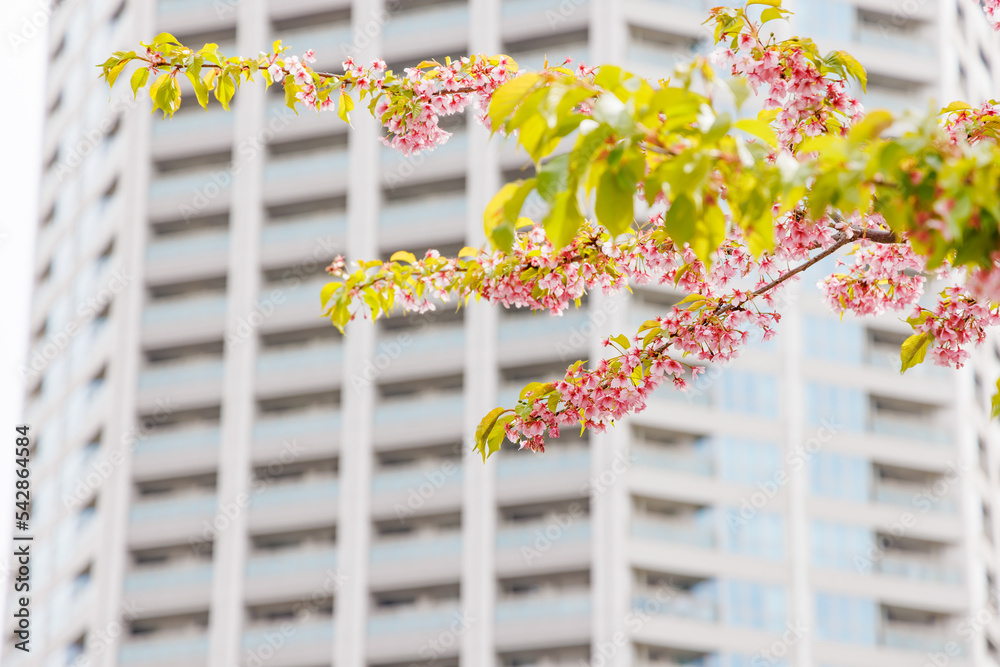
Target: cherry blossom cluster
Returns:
[984, 283]
[992, 8]
[881, 277]
[709, 329]
[533, 275]
[964, 123]
[408, 106]
[955, 323]
[808, 101]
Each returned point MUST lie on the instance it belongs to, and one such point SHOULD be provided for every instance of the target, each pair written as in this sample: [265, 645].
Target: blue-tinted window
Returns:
[840, 618]
[843, 406]
[828, 19]
[747, 461]
[749, 393]
[755, 605]
[841, 546]
[761, 535]
[830, 339]
[840, 476]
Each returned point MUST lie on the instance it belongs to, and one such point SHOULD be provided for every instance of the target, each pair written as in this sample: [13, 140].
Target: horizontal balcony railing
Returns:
[412, 477]
[691, 533]
[266, 565]
[315, 164]
[555, 459]
[178, 507]
[325, 40]
[418, 409]
[295, 424]
[161, 312]
[908, 430]
[304, 230]
[431, 340]
[414, 23]
[296, 359]
[165, 648]
[907, 495]
[422, 211]
[295, 493]
[516, 537]
[427, 619]
[178, 440]
[695, 461]
[909, 637]
[542, 324]
[894, 40]
[196, 122]
[151, 579]
[192, 183]
[697, 607]
[162, 376]
[420, 548]
[515, 9]
[543, 608]
[188, 246]
[292, 635]
[920, 569]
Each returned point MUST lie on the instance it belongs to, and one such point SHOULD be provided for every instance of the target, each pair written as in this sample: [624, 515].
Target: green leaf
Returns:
[553, 177]
[507, 97]
[854, 68]
[873, 125]
[614, 206]
[139, 78]
[563, 220]
[760, 129]
[210, 52]
[486, 442]
[403, 256]
[164, 38]
[345, 106]
[770, 14]
[328, 291]
[225, 88]
[622, 341]
[914, 350]
[113, 73]
[995, 412]
[200, 89]
[496, 223]
[679, 219]
[955, 106]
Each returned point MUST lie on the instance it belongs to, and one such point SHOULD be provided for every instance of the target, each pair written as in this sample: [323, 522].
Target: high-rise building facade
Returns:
[222, 479]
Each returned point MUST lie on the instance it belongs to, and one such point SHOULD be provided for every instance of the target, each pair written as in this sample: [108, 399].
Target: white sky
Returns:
[21, 115]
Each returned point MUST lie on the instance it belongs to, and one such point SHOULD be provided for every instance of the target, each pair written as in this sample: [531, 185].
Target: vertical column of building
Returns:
[793, 410]
[116, 494]
[947, 35]
[973, 496]
[610, 504]
[479, 513]
[243, 285]
[358, 398]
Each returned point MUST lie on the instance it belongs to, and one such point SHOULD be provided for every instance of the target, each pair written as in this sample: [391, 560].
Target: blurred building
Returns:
[222, 479]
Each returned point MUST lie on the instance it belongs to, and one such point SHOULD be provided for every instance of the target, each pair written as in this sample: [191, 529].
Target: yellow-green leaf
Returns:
[914, 350]
[225, 88]
[760, 129]
[345, 106]
[507, 97]
[484, 443]
[403, 256]
[139, 78]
